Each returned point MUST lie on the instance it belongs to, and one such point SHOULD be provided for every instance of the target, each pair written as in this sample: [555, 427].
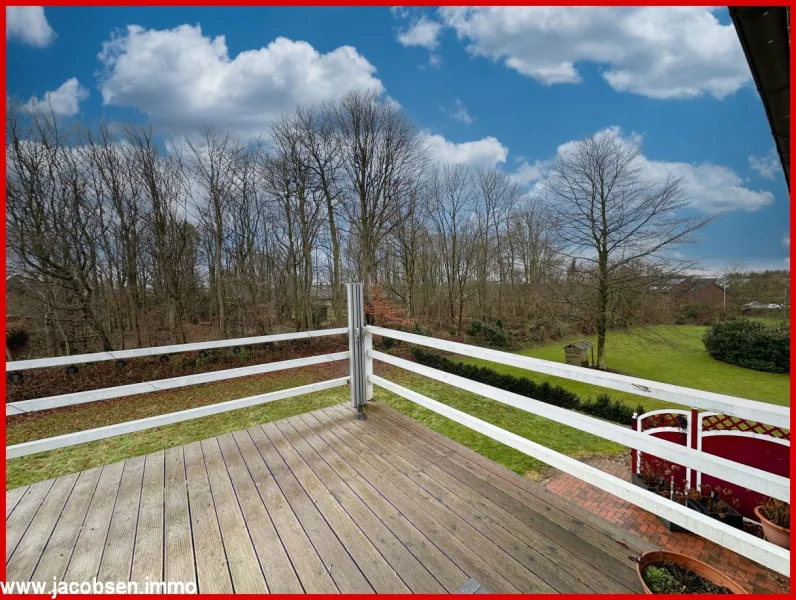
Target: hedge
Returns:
[490, 335]
[604, 407]
[750, 344]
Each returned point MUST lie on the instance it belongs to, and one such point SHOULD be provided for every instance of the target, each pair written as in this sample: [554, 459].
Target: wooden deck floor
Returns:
[315, 503]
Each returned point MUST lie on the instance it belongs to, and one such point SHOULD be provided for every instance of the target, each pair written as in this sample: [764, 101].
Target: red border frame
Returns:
[408, 3]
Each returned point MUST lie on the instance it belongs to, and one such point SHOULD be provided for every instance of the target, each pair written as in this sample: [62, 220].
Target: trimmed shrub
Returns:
[750, 344]
[418, 329]
[604, 407]
[695, 314]
[488, 334]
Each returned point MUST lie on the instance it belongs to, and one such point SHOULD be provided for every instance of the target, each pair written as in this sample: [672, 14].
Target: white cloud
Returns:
[63, 101]
[528, 173]
[663, 52]
[459, 113]
[786, 241]
[27, 24]
[767, 165]
[486, 152]
[183, 79]
[708, 187]
[422, 32]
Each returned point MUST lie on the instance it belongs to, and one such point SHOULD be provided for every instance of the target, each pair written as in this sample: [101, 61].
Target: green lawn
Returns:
[680, 360]
[36, 467]
[669, 354]
[561, 438]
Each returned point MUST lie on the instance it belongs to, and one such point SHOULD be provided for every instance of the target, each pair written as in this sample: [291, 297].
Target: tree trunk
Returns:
[602, 308]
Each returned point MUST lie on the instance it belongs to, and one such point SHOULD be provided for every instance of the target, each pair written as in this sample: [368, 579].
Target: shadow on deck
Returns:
[316, 503]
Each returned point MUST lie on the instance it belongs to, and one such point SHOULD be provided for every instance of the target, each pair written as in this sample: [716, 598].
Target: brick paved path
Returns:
[757, 579]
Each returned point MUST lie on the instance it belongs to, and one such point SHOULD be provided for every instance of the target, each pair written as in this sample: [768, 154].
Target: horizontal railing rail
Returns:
[57, 361]
[734, 472]
[736, 540]
[724, 404]
[100, 433]
[49, 402]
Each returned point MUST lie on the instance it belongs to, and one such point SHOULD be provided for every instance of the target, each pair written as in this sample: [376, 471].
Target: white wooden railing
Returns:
[362, 379]
[99, 433]
[752, 547]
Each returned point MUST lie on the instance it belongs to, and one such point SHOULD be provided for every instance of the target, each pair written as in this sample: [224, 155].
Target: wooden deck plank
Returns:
[312, 573]
[442, 567]
[411, 571]
[535, 530]
[279, 574]
[178, 559]
[383, 479]
[379, 573]
[212, 570]
[148, 552]
[317, 502]
[469, 506]
[117, 560]
[338, 562]
[247, 575]
[381, 458]
[13, 497]
[87, 554]
[30, 548]
[58, 552]
[611, 557]
[19, 521]
[565, 513]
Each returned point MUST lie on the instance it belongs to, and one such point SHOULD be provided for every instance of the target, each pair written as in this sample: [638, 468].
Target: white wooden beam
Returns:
[762, 412]
[100, 433]
[747, 545]
[734, 472]
[41, 363]
[37, 404]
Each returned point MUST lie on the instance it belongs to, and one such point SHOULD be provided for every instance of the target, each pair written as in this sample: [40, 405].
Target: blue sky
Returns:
[504, 87]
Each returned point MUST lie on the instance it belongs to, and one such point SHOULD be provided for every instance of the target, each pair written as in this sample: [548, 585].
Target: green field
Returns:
[679, 360]
[669, 354]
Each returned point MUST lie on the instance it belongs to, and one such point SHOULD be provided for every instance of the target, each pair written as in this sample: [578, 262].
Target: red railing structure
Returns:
[752, 443]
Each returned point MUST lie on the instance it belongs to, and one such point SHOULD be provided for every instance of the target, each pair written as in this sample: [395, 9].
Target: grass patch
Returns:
[561, 438]
[36, 467]
[680, 360]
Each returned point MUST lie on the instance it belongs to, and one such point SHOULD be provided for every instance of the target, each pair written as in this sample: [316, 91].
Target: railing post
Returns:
[356, 347]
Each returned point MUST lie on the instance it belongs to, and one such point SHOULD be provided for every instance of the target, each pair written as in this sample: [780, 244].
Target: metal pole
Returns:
[356, 346]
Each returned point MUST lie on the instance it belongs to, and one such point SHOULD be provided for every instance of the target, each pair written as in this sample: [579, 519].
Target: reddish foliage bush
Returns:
[385, 313]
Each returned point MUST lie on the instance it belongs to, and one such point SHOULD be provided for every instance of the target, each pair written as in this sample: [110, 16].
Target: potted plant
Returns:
[774, 517]
[671, 573]
[716, 502]
[657, 476]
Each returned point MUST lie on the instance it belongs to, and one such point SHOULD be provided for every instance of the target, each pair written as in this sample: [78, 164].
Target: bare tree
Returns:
[609, 216]
[53, 220]
[380, 153]
[458, 230]
[211, 161]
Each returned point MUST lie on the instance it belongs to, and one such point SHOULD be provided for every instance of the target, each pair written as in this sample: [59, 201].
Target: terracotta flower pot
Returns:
[697, 566]
[773, 532]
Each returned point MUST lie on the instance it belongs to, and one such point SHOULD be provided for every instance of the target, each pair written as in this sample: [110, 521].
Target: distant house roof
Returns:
[697, 285]
[322, 292]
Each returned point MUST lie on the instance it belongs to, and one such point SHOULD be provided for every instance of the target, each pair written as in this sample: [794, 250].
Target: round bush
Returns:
[750, 344]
